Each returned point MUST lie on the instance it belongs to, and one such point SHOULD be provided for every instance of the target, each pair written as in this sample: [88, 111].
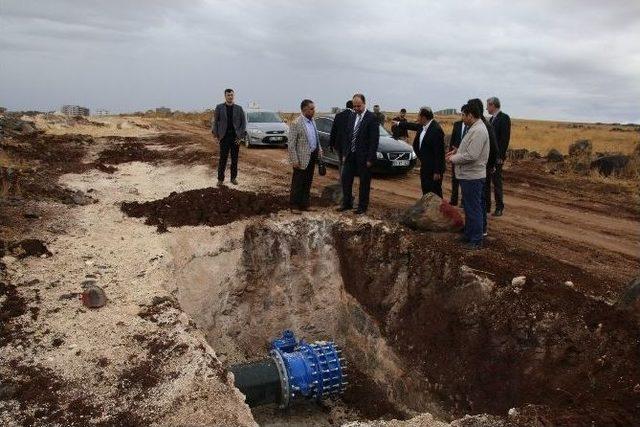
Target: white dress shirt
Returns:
[423, 133]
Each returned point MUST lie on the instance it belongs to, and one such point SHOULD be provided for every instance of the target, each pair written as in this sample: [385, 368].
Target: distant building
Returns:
[3, 110]
[163, 110]
[335, 110]
[447, 112]
[75, 110]
[103, 113]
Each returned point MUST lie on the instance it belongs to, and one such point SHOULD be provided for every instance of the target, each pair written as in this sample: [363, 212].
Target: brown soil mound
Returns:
[207, 206]
[130, 152]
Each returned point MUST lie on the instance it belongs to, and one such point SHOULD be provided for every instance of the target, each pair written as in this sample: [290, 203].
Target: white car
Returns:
[266, 128]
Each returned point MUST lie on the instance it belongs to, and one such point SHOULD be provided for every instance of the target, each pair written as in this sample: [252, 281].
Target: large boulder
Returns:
[554, 156]
[431, 213]
[581, 148]
[611, 165]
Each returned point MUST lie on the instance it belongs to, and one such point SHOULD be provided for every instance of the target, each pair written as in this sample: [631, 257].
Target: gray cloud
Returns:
[573, 60]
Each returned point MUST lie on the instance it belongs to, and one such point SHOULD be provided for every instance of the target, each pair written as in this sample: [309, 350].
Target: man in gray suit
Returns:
[229, 126]
[304, 151]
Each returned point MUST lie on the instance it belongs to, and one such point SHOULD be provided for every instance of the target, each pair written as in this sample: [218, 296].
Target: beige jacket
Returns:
[298, 144]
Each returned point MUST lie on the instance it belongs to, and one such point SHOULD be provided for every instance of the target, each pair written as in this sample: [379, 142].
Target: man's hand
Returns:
[437, 177]
[296, 165]
[395, 122]
[450, 153]
[369, 163]
[499, 161]
[320, 152]
[215, 135]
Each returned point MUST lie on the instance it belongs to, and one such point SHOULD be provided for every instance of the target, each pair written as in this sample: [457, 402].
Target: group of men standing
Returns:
[477, 152]
[354, 135]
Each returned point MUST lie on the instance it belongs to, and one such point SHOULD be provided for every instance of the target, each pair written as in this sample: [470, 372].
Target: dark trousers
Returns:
[428, 184]
[228, 145]
[496, 178]
[454, 187]
[350, 169]
[301, 183]
[474, 213]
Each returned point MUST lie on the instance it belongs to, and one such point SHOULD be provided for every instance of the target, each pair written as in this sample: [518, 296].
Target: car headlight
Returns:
[413, 155]
[379, 155]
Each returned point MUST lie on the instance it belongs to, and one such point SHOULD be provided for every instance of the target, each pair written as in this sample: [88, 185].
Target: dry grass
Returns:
[541, 136]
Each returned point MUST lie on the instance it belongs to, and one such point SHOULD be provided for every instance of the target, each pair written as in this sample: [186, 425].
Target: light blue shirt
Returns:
[312, 133]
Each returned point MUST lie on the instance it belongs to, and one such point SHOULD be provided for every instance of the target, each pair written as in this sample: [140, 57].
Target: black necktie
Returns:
[355, 133]
[464, 130]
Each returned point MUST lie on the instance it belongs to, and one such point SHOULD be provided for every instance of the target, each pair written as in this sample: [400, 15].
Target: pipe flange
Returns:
[284, 378]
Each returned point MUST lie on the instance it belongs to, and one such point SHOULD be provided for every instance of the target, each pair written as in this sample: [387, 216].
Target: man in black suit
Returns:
[502, 126]
[360, 151]
[428, 145]
[339, 132]
[459, 131]
[228, 126]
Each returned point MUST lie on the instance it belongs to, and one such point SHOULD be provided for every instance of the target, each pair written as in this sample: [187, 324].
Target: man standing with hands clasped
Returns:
[470, 162]
[304, 151]
[501, 123]
[359, 154]
[228, 126]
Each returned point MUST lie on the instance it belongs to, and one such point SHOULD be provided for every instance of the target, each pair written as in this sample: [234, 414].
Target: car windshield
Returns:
[383, 131]
[263, 117]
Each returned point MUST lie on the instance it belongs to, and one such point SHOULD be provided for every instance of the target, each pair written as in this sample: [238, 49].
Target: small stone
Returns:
[513, 412]
[87, 283]
[89, 262]
[636, 389]
[94, 297]
[519, 281]
[569, 283]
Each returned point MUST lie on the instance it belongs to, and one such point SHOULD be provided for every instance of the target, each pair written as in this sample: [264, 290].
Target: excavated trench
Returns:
[421, 332]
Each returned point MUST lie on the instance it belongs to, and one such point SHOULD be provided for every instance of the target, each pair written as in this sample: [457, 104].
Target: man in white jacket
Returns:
[470, 162]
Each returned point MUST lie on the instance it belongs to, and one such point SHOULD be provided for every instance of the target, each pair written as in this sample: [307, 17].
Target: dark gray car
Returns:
[393, 157]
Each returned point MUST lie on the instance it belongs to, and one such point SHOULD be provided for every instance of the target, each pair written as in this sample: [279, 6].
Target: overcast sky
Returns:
[560, 59]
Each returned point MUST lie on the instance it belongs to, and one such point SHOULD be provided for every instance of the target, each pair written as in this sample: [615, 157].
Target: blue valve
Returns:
[308, 370]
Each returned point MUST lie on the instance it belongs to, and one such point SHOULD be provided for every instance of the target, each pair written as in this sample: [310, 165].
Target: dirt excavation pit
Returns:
[420, 331]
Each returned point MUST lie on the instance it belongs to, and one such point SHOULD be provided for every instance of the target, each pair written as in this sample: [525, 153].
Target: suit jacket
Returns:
[502, 126]
[219, 122]
[338, 140]
[431, 152]
[493, 145]
[367, 138]
[456, 135]
[298, 145]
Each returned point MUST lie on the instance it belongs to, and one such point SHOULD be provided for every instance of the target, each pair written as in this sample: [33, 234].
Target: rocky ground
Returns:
[198, 277]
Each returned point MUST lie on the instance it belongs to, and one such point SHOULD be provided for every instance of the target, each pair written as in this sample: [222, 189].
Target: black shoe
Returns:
[344, 208]
[234, 181]
[360, 211]
[452, 203]
[220, 183]
[498, 212]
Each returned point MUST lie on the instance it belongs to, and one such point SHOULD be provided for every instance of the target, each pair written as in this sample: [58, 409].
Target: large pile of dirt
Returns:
[207, 206]
[130, 151]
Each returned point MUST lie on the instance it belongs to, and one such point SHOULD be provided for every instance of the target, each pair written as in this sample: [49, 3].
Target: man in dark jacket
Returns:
[429, 147]
[379, 115]
[360, 151]
[400, 133]
[459, 131]
[339, 131]
[501, 123]
[228, 126]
